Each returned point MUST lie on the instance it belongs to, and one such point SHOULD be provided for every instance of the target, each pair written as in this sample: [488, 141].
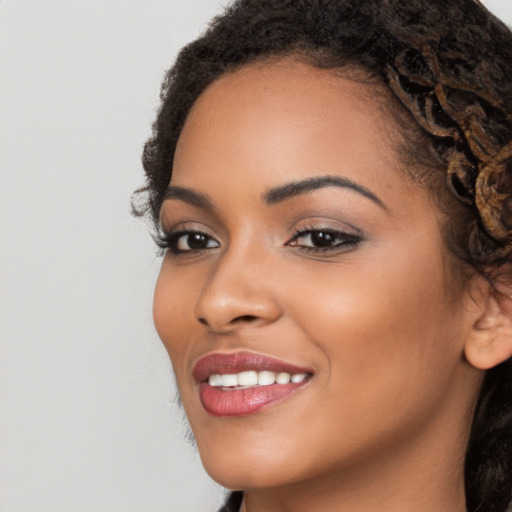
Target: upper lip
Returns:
[219, 363]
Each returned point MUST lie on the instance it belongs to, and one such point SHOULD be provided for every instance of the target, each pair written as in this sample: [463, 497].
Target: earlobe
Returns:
[490, 340]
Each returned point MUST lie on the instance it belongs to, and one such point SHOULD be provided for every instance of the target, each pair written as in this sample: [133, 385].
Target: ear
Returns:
[490, 340]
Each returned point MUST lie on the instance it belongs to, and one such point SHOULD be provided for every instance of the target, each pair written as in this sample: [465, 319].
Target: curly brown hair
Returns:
[449, 67]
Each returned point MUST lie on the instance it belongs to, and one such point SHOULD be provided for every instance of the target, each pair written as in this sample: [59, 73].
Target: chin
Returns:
[249, 473]
[242, 459]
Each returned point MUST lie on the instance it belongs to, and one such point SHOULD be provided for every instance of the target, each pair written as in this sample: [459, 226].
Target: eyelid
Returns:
[348, 237]
[168, 236]
[342, 234]
[324, 222]
[174, 214]
[170, 226]
[170, 242]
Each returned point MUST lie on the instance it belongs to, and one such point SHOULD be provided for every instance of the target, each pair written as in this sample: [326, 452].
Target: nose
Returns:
[237, 293]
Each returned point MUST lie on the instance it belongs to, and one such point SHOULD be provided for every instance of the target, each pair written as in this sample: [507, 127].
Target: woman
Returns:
[331, 181]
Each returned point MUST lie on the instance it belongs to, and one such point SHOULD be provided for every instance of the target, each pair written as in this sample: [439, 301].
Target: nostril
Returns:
[236, 320]
[244, 318]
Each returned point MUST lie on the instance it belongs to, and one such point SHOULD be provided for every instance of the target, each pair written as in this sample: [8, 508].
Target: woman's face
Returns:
[300, 248]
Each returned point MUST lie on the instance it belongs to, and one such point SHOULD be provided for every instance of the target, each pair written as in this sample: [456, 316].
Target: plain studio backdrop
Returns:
[89, 419]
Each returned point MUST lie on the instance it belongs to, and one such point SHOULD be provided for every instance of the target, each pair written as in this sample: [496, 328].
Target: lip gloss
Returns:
[239, 401]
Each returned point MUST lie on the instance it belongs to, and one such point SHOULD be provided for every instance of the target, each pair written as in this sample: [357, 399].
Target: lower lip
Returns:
[219, 401]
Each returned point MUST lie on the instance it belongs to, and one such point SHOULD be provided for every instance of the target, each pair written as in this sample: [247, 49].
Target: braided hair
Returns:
[448, 66]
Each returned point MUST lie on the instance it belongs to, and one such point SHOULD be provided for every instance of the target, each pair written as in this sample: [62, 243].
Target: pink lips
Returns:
[220, 401]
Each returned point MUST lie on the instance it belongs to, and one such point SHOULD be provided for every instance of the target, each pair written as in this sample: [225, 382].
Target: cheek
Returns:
[386, 326]
[173, 312]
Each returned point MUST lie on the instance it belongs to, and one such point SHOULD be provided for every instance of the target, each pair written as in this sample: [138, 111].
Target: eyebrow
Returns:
[295, 188]
[276, 194]
[188, 196]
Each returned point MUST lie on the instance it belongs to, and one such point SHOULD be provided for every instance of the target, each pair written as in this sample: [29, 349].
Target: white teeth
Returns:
[248, 379]
[215, 380]
[229, 379]
[253, 378]
[266, 378]
[283, 378]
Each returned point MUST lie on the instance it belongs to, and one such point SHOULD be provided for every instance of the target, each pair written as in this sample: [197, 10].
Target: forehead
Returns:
[272, 122]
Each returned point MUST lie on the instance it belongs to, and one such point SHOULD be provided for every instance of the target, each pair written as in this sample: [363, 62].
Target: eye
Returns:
[322, 240]
[183, 241]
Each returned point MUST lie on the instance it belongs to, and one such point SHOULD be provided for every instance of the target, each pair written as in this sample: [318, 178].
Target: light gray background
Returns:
[89, 420]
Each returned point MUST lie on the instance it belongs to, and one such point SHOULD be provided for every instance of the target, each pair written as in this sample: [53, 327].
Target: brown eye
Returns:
[324, 240]
[192, 241]
[188, 241]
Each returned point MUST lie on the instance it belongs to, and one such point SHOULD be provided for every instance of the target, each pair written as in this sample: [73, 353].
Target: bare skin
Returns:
[383, 422]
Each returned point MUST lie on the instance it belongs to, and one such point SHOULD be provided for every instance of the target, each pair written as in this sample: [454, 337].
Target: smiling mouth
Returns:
[244, 383]
[251, 378]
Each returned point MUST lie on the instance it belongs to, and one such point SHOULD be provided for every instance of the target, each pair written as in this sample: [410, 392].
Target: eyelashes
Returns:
[323, 240]
[186, 240]
[310, 240]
